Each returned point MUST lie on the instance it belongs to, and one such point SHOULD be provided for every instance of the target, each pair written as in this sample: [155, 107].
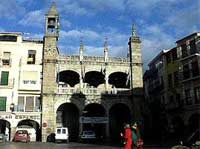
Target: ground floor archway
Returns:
[33, 128]
[67, 115]
[94, 118]
[119, 114]
[5, 128]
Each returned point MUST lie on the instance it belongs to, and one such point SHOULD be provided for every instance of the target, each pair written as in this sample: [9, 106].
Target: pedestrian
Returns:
[127, 136]
[139, 142]
[134, 137]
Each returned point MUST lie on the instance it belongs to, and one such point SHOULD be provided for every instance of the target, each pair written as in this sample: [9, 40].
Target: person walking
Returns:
[139, 142]
[134, 137]
[127, 136]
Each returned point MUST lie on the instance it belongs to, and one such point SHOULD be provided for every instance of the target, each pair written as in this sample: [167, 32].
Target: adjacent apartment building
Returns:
[172, 87]
[20, 82]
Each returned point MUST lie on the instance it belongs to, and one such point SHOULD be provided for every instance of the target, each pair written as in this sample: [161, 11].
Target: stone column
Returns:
[12, 132]
[106, 81]
[107, 131]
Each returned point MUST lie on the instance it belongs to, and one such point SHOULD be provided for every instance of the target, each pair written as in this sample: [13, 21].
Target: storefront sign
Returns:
[20, 117]
[94, 120]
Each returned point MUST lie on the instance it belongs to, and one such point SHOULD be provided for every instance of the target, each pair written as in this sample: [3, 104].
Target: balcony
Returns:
[20, 108]
[93, 91]
[6, 62]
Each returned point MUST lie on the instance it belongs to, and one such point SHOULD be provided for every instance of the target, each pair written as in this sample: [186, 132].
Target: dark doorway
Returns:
[119, 114]
[95, 111]
[68, 116]
[5, 128]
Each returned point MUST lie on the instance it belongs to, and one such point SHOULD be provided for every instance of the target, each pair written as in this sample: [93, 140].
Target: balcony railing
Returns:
[92, 91]
[19, 108]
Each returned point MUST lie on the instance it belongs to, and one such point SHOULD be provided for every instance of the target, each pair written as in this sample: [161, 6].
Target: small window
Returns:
[184, 50]
[4, 78]
[6, 58]
[31, 56]
[9, 38]
[3, 103]
[58, 131]
[63, 131]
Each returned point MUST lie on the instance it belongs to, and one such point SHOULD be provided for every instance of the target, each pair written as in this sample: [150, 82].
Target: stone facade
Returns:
[87, 81]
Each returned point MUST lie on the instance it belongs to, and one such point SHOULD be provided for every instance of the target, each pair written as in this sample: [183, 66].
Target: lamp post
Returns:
[12, 106]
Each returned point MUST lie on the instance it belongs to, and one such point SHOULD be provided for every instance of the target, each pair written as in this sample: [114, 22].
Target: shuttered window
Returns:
[4, 78]
[3, 103]
[29, 103]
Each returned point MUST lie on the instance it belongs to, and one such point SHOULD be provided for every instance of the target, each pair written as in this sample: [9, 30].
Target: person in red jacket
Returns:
[127, 136]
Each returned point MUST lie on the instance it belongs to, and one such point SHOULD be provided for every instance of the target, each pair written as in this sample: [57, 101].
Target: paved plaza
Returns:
[71, 145]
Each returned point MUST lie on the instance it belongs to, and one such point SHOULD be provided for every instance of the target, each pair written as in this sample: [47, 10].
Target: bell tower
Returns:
[136, 83]
[135, 60]
[49, 83]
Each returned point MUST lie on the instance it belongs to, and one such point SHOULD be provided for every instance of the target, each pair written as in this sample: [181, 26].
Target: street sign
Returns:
[94, 120]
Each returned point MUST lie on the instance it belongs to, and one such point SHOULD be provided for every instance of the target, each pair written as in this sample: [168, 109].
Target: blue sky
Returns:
[159, 23]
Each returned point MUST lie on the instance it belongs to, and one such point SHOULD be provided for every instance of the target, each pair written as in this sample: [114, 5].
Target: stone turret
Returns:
[49, 83]
[135, 59]
[106, 50]
[136, 74]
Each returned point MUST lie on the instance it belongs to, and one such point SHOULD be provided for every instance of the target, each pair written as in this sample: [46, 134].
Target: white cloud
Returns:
[185, 20]
[155, 39]
[77, 34]
[33, 18]
[65, 23]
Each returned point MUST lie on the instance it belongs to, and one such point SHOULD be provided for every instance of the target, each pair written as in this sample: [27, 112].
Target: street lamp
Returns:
[12, 106]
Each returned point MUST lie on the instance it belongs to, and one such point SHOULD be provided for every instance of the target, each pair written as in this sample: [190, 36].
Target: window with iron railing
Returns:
[28, 104]
[6, 58]
[31, 56]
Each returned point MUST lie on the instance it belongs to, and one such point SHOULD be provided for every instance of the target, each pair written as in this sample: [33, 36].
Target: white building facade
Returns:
[20, 82]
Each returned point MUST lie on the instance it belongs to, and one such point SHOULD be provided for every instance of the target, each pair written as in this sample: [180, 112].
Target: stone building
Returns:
[20, 82]
[89, 92]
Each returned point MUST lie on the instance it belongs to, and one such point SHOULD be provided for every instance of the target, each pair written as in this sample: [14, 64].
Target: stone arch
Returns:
[119, 114]
[67, 115]
[94, 78]
[68, 77]
[119, 80]
[93, 118]
[29, 124]
[5, 128]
